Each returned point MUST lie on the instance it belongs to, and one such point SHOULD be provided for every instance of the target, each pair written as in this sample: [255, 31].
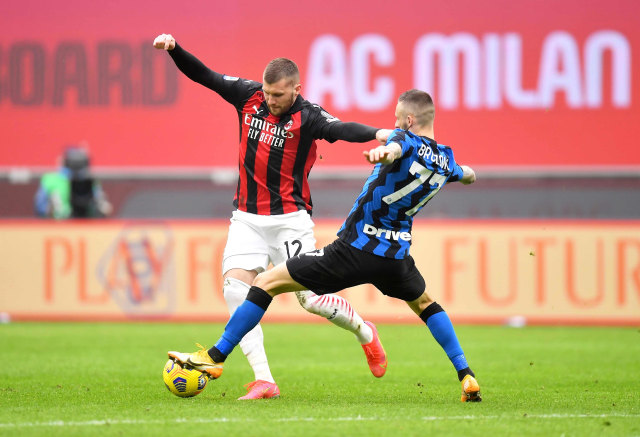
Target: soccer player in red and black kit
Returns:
[272, 222]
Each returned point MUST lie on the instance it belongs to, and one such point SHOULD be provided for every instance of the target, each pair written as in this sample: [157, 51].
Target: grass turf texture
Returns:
[105, 379]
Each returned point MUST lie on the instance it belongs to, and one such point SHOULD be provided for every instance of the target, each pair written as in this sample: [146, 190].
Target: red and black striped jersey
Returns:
[276, 153]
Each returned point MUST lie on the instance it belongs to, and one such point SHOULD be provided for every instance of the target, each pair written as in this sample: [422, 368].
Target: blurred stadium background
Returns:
[540, 97]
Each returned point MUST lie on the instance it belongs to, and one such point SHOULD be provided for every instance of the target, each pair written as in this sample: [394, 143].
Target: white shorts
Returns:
[255, 240]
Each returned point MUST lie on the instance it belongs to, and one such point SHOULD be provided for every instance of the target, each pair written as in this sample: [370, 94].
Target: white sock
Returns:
[252, 344]
[338, 311]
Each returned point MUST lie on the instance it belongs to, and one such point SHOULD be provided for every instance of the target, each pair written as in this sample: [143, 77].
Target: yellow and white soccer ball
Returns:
[183, 381]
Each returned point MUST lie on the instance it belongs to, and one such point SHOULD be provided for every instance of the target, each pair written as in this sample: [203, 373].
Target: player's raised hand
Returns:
[164, 42]
[382, 154]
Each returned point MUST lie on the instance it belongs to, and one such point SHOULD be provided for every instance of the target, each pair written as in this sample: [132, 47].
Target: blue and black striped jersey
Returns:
[381, 218]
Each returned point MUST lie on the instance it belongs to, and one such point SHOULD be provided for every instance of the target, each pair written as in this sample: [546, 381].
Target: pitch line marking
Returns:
[62, 423]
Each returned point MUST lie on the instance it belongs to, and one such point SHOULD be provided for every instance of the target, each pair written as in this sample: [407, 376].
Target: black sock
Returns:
[260, 297]
[216, 355]
[433, 308]
[464, 372]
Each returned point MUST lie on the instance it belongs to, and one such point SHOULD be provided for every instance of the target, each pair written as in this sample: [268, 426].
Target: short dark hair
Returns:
[420, 105]
[280, 68]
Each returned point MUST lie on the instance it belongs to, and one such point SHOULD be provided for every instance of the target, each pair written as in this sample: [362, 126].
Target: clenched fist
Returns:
[383, 154]
[164, 41]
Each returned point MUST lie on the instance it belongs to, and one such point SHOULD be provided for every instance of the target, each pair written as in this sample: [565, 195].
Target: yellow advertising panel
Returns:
[479, 271]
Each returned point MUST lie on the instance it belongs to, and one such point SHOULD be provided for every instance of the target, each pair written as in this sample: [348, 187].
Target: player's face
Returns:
[281, 95]
[403, 119]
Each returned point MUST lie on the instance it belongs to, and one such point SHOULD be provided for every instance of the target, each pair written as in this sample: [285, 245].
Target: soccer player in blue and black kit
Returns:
[373, 243]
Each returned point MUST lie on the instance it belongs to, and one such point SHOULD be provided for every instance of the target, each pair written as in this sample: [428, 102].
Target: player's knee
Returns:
[418, 305]
[276, 281]
[263, 281]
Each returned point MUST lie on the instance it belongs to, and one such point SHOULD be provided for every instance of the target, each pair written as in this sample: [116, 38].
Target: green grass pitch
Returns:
[79, 379]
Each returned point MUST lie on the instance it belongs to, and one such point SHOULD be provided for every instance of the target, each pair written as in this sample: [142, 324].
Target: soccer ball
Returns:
[183, 381]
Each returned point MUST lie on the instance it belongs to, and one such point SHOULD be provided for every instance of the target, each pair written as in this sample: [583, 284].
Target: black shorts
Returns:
[339, 266]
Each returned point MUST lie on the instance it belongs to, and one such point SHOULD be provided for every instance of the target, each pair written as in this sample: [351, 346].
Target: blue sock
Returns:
[244, 319]
[442, 330]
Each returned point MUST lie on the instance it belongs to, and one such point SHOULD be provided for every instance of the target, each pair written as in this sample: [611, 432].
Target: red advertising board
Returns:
[528, 83]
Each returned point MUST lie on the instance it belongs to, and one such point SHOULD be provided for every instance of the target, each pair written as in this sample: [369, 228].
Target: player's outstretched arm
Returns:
[233, 91]
[327, 127]
[468, 176]
[164, 42]
[351, 131]
[383, 154]
[191, 66]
